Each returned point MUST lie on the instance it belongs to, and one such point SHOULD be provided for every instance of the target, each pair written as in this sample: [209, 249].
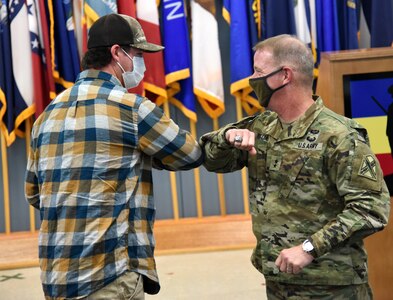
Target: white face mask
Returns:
[133, 78]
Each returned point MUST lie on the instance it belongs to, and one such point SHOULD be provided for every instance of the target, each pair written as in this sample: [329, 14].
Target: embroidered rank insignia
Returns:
[368, 167]
[275, 163]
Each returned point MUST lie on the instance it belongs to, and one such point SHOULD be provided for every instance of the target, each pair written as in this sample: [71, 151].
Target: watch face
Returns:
[307, 246]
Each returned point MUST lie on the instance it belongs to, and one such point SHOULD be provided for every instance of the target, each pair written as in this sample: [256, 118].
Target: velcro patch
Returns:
[309, 146]
[368, 167]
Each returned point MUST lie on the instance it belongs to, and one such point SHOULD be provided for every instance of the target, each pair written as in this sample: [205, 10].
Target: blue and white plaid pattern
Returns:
[89, 174]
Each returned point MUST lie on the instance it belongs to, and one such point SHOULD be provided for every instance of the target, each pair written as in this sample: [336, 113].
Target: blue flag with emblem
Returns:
[177, 58]
[279, 17]
[348, 18]
[65, 56]
[242, 37]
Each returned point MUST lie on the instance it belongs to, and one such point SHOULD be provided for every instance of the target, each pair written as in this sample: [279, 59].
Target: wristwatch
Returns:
[309, 248]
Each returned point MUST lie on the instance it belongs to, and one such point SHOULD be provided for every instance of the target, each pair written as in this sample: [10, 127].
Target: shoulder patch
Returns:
[368, 167]
[366, 173]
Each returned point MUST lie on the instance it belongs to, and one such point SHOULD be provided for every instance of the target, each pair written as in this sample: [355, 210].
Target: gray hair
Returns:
[288, 50]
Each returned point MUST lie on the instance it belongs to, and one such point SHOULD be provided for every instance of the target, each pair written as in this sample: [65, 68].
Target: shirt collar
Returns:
[90, 74]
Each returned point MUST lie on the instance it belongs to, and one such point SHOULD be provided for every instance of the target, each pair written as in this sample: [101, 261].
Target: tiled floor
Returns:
[225, 275]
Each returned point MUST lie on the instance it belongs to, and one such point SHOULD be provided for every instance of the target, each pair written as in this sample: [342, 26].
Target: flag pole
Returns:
[172, 177]
[220, 180]
[197, 179]
[4, 162]
[31, 208]
[243, 171]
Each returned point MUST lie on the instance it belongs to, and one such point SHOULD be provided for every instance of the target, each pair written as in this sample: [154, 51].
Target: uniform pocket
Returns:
[254, 190]
[292, 173]
[257, 176]
[303, 187]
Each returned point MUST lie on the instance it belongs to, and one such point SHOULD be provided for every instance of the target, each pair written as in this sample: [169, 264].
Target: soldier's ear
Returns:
[288, 74]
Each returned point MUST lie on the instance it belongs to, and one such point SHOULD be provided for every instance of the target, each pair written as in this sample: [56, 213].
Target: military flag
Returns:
[80, 26]
[241, 55]
[348, 19]
[91, 10]
[279, 16]
[256, 20]
[127, 7]
[17, 82]
[328, 36]
[154, 80]
[44, 87]
[313, 23]
[206, 58]
[6, 77]
[65, 56]
[94, 9]
[302, 21]
[177, 57]
[312, 18]
[379, 19]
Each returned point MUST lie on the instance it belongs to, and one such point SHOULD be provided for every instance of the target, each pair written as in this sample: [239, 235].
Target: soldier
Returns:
[316, 188]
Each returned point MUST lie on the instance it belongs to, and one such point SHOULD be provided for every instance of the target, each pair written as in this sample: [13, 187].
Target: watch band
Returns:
[308, 247]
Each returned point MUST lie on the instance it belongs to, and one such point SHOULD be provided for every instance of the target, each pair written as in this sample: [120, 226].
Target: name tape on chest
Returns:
[310, 141]
[309, 146]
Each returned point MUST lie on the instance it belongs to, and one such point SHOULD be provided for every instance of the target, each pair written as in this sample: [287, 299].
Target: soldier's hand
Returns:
[293, 260]
[242, 139]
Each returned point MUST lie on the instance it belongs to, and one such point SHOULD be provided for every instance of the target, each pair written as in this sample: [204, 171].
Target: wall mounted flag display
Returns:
[154, 80]
[177, 57]
[206, 58]
[237, 14]
[16, 81]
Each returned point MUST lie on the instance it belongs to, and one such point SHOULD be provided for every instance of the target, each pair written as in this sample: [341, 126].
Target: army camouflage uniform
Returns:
[315, 178]
[282, 291]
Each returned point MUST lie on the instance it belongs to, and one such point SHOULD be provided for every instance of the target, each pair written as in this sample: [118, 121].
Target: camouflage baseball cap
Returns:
[121, 30]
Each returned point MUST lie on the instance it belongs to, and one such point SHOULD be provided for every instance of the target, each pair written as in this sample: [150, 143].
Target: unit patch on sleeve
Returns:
[365, 170]
[368, 167]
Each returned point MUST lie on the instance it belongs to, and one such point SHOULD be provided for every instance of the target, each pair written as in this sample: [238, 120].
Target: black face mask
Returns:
[261, 88]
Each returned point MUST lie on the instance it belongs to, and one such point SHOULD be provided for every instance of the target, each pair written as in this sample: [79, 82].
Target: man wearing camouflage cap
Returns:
[89, 172]
[316, 188]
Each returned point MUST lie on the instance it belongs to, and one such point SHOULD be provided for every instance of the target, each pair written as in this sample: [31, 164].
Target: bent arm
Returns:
[159, 137]
[31, 180]
[222, 155]
[359, 181]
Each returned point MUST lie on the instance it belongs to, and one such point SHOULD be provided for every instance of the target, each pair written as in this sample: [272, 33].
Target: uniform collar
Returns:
[272, 124]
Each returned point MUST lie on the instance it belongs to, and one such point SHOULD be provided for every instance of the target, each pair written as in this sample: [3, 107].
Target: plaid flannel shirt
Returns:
[89, 174]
